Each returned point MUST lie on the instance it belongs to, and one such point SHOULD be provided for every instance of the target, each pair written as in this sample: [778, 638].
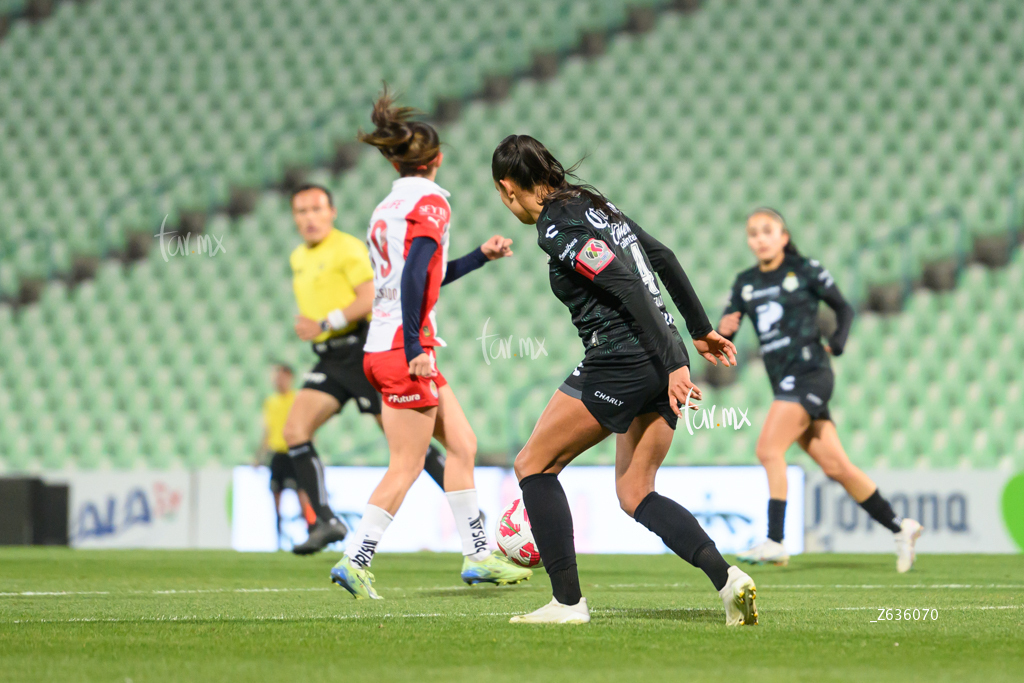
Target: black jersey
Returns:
[601, 269]
[783, 305]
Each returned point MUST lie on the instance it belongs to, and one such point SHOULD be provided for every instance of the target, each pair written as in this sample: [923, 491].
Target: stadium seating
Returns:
[173, 103]
[853, 118]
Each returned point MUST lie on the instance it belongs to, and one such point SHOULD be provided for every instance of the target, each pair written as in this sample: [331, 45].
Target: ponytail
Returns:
[790, 248]
[528, 163]
[412, 145]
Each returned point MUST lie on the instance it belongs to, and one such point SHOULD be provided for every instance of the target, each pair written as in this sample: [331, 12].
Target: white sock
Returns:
[362, 544]
[469, 524]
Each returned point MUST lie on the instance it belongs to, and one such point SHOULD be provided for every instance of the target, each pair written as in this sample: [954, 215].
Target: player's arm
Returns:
[414, 285]
[572, 247]
[425, 230]
[356, 267]
[823, 285]
[672, 275]
[339, 318]
[732, 316]
[711, 345]
[494, 248]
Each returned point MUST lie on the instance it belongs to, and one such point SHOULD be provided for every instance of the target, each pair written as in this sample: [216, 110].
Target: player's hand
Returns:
[421, 366]
[681, 391]
[306, 328]
[729, 324]
[714, 346]
[497, 247]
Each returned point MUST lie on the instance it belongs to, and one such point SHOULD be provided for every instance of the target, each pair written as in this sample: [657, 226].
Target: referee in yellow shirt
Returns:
[333, 283]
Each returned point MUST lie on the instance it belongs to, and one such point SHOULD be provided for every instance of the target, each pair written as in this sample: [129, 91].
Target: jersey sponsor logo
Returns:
[363, 402]
[395, 398]
[788, 383]
[816, 400]
[437, 213]
[767, 291]
[805, 353]
[790, 282]
[597, 218]
[605, 397]
[593, 258]
[767, 315]
[568, 248]
[747, 292]
[433, 388]
[826, 278]
[551, 232]
[776, 345]
[314, 377]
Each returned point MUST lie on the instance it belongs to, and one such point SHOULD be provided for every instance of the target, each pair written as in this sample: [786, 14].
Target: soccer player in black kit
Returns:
[633, 378]
[780, 295]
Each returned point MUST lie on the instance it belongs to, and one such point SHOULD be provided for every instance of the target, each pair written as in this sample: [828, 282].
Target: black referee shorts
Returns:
[339, 372]
[616, 390]
[811, 389]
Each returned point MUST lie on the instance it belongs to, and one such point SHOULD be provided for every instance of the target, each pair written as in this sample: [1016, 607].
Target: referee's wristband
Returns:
[336, 320]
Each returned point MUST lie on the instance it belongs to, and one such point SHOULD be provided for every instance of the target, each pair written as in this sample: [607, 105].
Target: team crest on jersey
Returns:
[747, 292]
[593, 258]
[790, 283]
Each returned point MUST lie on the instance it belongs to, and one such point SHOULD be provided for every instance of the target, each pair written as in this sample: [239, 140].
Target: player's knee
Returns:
[524, 465]
[630, 498]
[767, 455]
[295, 432]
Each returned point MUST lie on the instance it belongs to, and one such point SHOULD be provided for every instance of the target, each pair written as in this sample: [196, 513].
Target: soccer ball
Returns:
[515, 538]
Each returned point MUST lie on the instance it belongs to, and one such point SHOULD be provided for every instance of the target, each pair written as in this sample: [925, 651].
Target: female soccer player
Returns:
[781, 295]
[634, 375]
[333, 284]
[408, 240]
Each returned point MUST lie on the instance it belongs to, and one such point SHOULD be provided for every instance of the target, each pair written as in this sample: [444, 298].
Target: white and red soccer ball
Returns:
[515, 537]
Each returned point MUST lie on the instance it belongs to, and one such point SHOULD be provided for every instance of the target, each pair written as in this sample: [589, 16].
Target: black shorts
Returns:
[811, 389]
[616, 390]
[282, 473]
[339, 372]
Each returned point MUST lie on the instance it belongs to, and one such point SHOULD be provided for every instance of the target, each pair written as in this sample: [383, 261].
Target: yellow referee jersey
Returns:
[275, 413]
[324, 277]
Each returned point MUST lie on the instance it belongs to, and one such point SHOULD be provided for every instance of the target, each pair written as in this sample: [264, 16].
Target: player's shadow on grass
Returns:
[692, 615]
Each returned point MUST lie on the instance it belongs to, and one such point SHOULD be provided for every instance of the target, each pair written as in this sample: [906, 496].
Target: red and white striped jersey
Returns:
[416, 207]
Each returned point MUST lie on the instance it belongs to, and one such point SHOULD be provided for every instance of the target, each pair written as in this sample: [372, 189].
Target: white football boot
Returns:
[909, 532]
[738, 594]
[769, 552]
[556, 613]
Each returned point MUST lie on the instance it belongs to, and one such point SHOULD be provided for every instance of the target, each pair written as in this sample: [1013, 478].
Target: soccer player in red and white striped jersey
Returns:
[408, 241]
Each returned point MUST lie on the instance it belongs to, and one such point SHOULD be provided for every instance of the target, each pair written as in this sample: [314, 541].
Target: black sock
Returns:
[882, 512]
[548, 509]
[309, 474]
[434, 465]
[776, 519]
[683, 535]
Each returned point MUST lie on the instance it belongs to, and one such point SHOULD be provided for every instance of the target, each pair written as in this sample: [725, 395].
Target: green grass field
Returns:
[216, 616]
